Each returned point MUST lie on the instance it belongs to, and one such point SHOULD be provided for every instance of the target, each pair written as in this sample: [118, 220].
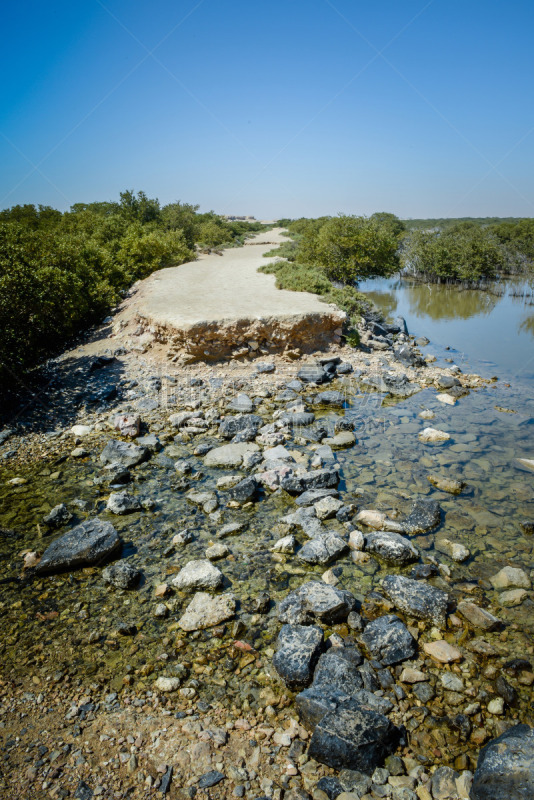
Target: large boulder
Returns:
[353, 737]
[126, 454]
[201, 574]
[91, 542]
[391, 547]
[205, 611]
[245, 425]
[505, 769]
[316, 601]
[388, 640]
[317, 479]
[298, 649]
[417, 598]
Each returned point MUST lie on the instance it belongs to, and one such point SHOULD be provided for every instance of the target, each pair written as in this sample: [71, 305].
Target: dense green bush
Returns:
[465, 252]
[61, 272]
[517, 236]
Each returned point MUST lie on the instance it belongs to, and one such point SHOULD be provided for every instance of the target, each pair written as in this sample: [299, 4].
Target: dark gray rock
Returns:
[166, 780]
[311, 497]
[244, 491]
[505, 769]
[123, 503]
[330, 786]
[330, 398]
[126, 454]
[424, 692]
[389, 640]
[400, 323]
[425, 514]
[121, 575]
[298, 649]
[397, 385]
[313, 374]
[322, 549]
[354, 737]
[391, 547]
[317, 701]
[338, 669]
[91, 542]
[117, 475]
[150, 441]
[446, 381]
[296, 419]
[344, 368]
[417, 598]
[317, 479]
[59, 516]
[406, 355]
[316, 601]
[210, 779]
[83, 791]
[246, 424]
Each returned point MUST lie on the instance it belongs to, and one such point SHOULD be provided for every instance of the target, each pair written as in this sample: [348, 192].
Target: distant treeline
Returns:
[61, 272]
[349, 248]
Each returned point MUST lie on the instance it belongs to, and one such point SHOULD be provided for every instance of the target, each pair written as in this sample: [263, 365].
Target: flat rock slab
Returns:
[126, 454]
[205, 611]
[208, 304]
[230, 455]
[298, 649]
[417, 598]
[91, 542]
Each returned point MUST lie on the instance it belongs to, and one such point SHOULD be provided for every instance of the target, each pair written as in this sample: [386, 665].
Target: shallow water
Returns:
[492, 330]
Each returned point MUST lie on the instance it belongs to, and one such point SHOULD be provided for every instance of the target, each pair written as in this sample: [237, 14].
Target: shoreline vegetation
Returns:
[62, 272]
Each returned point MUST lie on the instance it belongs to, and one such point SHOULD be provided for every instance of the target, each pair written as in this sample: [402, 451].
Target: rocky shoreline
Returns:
[209, 610]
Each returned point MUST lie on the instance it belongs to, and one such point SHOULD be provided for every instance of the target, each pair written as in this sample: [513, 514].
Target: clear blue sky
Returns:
[279, 108]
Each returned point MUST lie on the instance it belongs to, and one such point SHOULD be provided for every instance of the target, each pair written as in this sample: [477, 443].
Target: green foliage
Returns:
[517, 236]
[285, 250]
[60, 272]
[465, 252]
[351, 248]
[298, 277]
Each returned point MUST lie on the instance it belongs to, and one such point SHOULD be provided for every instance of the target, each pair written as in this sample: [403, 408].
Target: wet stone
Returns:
[297, 418]
[248, 424]
[91, 542]
[205, 611]
[126, 454]
[424, 515]
[317, 479]
[201, 574]
[316, 601]
[389, 640]
[391, 547]
[417, 598]
[298, 649]
[123, 503]
[338, 669]
[330, 398]
[479, 617]
[505, 768]
[59, 516]
[121, 575]
[322, 549]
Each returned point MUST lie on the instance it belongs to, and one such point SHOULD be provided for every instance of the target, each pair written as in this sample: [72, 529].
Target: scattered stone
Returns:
[244, 491]
[444, 783]
[505, 769]
[478, 616]
[242, 403]
[316, 601]
[167, 684]
[432, 435]
[230, 455]
[297, 419]
[127, 424]
[318, 479]
[322, 549]
[442, 651]
[230, 529]
[378, 521]
[91, 542]
[417, 598]
[327, 507]
[122, 503]
[425, 514]
[310, 497]
[312, 374]
[298, 649]
[389, 640]
[126, 454]
[330, 398]
[201, 574]
[509, 577]
[205, 611]
[210, 779]
[217, 551]
[342, 440]
[458, 552]
[286, 545]
[246, 425]
[60, 515]
[513, 597]
[391, 547]
[121, 575]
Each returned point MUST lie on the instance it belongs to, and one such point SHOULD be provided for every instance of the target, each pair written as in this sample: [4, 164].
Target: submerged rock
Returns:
[432, 436]
[322, 549]
[391, 547]
[121, 575]
[417, 598]
[316, 601]
[509, 577]
[298, 649]
[123, 503]
[389, 640]
[424, 515]
[330, 398]
[59, 516]
[206, 611]
[378, 520]
[126, 454]
[479, 617]
[201, 574]
[505, 769]
[353, 737]
[318, 479]
[91, 542]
